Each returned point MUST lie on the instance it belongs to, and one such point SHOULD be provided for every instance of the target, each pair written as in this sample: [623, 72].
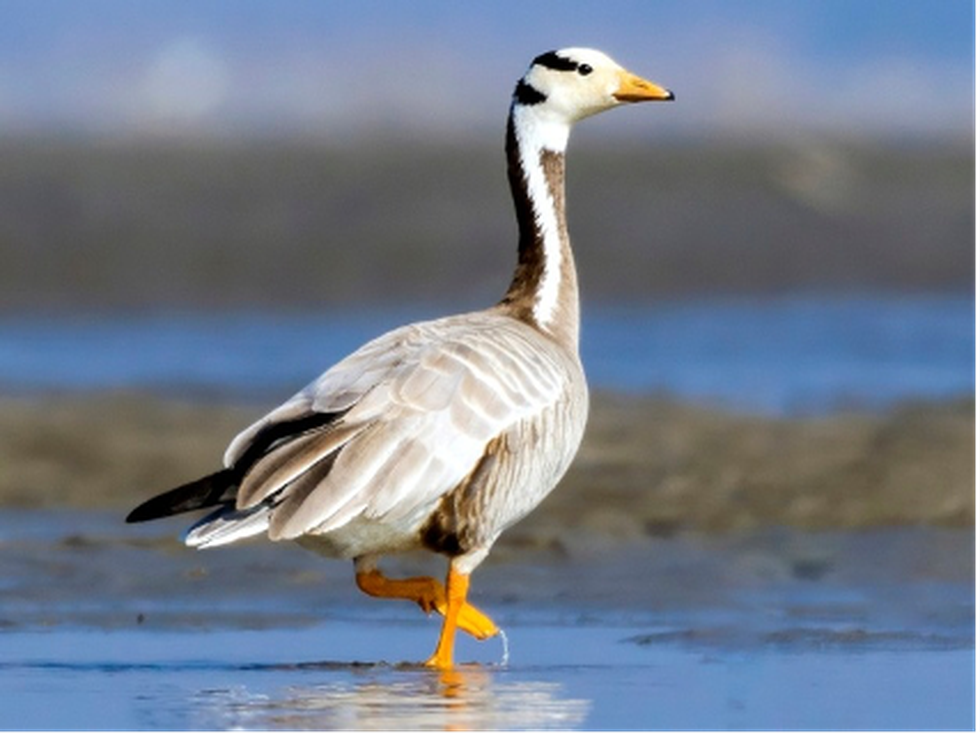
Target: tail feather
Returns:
[214, 489]
[226, 525]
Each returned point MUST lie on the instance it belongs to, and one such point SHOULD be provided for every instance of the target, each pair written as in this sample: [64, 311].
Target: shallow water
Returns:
[105, 626]
[564, 677]
[793, 354]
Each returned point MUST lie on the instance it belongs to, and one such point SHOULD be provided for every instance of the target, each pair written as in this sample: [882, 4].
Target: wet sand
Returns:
[649, 467]
[697, 569]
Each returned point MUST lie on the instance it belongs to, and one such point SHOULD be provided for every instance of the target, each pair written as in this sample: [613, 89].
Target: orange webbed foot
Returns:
[457, 586]
[430, 595]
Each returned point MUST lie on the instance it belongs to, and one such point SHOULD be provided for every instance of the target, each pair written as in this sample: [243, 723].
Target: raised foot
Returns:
[430, 595]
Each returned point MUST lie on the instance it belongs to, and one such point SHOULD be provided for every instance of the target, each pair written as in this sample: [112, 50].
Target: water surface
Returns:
[106, 626]
[795, 354]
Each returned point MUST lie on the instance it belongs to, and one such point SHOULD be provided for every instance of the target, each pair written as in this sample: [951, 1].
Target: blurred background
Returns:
[205, 203]
[217, 200]
[241, 153]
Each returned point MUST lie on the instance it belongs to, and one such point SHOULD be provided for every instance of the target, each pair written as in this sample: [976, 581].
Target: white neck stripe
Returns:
[535, 135]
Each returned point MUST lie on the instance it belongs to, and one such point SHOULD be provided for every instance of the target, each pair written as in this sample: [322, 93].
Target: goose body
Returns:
[413, 414]
[440, 434]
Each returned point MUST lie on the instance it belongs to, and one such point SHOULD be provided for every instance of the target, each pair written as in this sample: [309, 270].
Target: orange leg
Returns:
[430, 595]
[457, 584]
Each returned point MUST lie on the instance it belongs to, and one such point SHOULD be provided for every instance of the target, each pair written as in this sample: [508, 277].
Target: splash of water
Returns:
[505, 657]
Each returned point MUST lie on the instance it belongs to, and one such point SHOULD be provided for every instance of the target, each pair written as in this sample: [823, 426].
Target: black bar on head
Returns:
[551, 60]
[525, 94]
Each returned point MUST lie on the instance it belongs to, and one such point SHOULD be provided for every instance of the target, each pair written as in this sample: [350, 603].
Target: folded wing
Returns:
[412, 413]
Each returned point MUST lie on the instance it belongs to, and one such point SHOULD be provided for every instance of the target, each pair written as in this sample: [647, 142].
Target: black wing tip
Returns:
[137, 515]
[156, 508]
[210, 490]
[204, 492]
[145, 513]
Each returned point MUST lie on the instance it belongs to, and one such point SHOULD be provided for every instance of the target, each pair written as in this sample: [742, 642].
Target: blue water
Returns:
[106, 626]
[785, 355]
[570, 678]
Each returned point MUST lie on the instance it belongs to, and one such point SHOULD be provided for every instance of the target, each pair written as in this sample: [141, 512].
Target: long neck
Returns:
[544, 290]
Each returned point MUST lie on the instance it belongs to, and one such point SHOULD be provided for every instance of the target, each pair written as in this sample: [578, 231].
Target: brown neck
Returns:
[544, 289]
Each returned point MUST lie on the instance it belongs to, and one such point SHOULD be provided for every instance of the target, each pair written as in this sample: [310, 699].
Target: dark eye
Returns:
[584, 69]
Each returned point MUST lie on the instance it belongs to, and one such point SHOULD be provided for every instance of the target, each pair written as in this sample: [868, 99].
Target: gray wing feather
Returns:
[422, 403]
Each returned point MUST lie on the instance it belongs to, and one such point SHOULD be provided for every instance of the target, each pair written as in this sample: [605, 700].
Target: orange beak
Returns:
[633, 88]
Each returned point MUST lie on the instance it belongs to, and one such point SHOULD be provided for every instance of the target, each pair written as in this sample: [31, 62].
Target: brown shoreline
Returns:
[649, 466]
[312, 225]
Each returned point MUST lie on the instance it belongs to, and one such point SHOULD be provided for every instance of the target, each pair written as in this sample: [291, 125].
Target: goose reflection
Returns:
[391, 697]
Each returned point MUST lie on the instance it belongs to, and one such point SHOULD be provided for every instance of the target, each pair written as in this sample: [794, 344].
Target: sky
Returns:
[314, 67]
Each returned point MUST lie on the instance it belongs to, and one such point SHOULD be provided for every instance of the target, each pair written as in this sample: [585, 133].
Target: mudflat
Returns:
[648, 466]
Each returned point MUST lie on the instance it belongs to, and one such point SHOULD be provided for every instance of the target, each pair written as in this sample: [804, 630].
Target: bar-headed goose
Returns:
[440, 434]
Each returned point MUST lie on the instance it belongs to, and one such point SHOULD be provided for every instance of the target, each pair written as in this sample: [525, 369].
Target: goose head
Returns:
[568, 85]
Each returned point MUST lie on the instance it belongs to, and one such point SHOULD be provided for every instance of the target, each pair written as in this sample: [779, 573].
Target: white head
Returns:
[560, 88]
[567, 85]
